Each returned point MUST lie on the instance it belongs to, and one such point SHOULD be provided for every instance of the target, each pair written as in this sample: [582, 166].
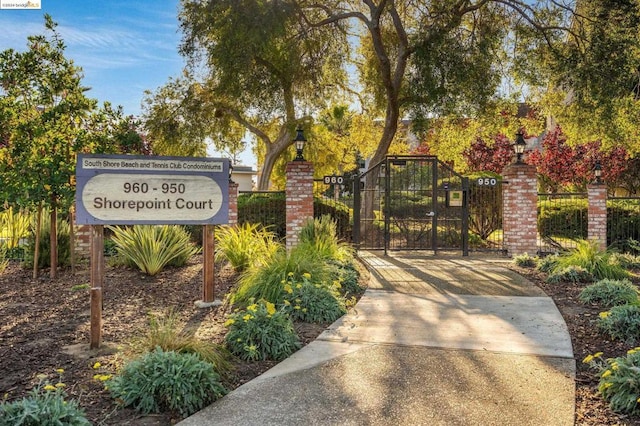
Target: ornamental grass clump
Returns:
[162, 381]
[245, 245]
[264, 282]
[319, 235]
[152, 247]
[169, 334]
[610, 293]
[45, 405]
[621, 322]
[547, 264]
[590, 257]
[261, 332]
[315, 303]
[619, 380]
[570, 274]
[524, 261]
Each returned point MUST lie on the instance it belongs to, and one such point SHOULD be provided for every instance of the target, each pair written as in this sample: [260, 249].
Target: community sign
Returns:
[136, 189]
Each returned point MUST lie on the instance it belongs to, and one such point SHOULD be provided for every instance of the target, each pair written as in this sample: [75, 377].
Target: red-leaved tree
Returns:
[559, 164]
[481, 156]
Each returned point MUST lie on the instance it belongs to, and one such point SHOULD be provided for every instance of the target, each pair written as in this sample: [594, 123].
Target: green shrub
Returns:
[244, 245]
[525, 261]
[590, 257]
[167, 333]
[622, 218]
[44, 257]
[152, 247]
[570, 274]
[261, 332]
[621, 322]
[266, 209]
[309, 302]
[619, 380]
[547, 264]
[610, 293]
[45, 405]
[348, 277]
[266, 281]
[626, 260]
[565, 218]
[166, 381]
[269, 210]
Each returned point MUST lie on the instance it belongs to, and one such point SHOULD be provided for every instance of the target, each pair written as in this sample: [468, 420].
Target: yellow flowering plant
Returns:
[261, 332]
[312, 302]
[621, 322]
[619, 380]
[45, 405]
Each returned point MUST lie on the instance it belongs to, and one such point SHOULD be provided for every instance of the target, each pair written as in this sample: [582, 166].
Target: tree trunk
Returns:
[274, 150]
[36, 249]
[53, 238]
[72, 241]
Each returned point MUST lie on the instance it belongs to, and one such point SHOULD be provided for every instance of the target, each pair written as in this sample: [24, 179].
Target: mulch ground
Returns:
[44, 326]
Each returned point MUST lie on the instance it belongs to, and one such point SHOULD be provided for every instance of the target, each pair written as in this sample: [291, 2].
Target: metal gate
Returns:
[411, 203]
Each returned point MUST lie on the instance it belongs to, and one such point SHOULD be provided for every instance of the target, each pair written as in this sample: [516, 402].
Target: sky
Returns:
[123, 47]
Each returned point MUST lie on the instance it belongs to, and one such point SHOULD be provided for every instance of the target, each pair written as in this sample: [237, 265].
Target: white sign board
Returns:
[127, 189]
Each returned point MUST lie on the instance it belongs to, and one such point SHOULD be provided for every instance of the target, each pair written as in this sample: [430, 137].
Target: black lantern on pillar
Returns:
[299, 142]
[519, 147]
[597, 171]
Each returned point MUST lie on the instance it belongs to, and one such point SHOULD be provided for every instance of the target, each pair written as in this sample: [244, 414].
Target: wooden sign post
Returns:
[97, 280]
[148, 190]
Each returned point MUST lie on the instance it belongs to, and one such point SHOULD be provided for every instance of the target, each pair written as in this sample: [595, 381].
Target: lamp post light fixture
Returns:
[299, 142]
[519, 147]
[597, 171]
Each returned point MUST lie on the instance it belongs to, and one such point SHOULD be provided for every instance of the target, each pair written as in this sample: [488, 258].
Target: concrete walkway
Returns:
[435, 340]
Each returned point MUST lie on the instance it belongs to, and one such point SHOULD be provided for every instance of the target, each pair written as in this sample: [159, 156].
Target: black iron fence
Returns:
[264, 207]
[562, 221]
[623, 222]
[268, 208]
[485, 214]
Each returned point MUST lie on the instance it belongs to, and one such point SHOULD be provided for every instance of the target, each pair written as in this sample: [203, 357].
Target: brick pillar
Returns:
[83, 239]
[233, 203]
[597, 214]
[299, 194]
[520, 209]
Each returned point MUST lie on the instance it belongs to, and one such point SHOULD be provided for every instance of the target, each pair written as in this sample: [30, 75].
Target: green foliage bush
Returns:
[570, 274]
[622, 218]
[619, 381]
[525, 261]
[590, 257]
[169, 334]
[152, 247]
[309, 302]
[266, 281]
[269, 210]
[621, 322]
[246, 244]
[347, 276]
[166, 381]
[261, 332]
[626, 260]
[45, 405]
[547, 264]
[610, 293]
[44, 257]
[266, 209]
[563, 218]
